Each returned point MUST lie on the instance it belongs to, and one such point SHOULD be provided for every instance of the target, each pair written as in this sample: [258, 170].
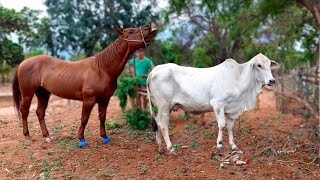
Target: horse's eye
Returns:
[131, 31]
[259, 65]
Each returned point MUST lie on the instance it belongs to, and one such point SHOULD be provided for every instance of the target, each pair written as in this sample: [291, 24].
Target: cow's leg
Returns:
[219, 112]
[163, 123]
[102, 107]
[230, 123]
[158, 136]
[86, 110]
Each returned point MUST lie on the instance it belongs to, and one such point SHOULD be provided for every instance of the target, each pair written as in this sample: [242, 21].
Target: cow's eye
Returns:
[259, 65]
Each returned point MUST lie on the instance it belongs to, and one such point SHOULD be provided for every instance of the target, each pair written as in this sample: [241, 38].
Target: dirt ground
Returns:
[274, 145]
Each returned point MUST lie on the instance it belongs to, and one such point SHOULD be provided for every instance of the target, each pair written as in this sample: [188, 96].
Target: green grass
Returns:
[176, 147]
[69, 145]
[143, 169]
[194, 144]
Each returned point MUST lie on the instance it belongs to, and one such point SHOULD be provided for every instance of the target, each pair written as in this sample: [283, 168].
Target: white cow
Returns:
[228, 89]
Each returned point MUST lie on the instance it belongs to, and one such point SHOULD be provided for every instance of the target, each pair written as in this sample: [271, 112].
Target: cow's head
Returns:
[263, 66]
[139, 37]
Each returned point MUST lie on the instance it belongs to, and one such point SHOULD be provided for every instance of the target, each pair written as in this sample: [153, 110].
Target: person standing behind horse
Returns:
[143, 66]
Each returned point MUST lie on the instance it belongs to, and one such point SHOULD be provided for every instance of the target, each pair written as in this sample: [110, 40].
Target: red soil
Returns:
[133, 154]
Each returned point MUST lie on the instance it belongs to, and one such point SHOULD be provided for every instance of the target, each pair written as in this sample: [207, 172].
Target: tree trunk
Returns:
[313, 6]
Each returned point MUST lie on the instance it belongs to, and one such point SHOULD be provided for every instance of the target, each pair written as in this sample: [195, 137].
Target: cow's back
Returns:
[186, 86]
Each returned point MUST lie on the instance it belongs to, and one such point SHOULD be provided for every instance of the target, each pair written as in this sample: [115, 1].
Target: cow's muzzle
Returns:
[271, 82]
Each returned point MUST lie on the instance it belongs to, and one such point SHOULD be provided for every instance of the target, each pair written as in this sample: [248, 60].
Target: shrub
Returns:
[137, 118]
[126, 87]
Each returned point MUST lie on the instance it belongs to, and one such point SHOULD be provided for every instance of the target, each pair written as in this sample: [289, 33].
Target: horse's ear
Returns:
[274, 65]
[119, 31]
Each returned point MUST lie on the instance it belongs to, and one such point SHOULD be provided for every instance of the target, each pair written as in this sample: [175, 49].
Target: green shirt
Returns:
[142, 68]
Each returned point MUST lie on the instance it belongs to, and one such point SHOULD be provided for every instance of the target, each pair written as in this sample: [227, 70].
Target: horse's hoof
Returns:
[220, 151]
[48, 139]
[106, 140]
[83, 143]
[28, 140]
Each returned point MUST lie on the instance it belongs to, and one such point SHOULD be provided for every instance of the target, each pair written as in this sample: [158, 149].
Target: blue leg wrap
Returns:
[106, 140]
[83, 143]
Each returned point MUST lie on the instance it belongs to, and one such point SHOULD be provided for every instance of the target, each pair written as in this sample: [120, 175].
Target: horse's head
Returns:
[139, 37]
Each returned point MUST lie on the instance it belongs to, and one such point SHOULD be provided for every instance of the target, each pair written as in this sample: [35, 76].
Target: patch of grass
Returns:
[46, 169]
[67, 176]
[143, 168]
[19, 171]
[283, 154]
[15, 152]
[281, 116]
[24, 145]
[208, 134]
[57, 129]
[58, 163]
[176, 147]
[189, 126]
[108, 173]
[113, 125]
[269, 151]
[215, 158]
[32, 157]
[264, 125]
[69, 145]
[244, 131]
[194, 144]
[185, 116]
[132, 132]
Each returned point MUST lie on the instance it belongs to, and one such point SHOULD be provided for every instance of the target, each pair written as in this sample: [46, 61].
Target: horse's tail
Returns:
[154, 123]
[16, 94]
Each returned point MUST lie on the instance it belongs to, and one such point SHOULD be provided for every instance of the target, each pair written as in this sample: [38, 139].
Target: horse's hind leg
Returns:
[24, 109]
[43, 98]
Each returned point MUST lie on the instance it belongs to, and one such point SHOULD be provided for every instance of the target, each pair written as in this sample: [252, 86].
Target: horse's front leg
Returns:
[102, 108]
[86, 110]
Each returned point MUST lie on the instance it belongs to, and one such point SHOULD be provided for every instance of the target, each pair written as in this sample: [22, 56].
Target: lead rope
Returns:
[142, 40]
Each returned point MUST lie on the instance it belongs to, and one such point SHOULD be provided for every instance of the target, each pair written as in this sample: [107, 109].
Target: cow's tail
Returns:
[16, 94]
[154, 123]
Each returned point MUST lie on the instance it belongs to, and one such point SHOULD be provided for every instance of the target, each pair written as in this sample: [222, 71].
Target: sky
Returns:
[38, 4]
[19, 4]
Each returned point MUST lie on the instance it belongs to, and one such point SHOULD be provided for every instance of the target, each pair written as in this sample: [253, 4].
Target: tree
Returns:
[89, 25]
[11, 53]
[241, 29]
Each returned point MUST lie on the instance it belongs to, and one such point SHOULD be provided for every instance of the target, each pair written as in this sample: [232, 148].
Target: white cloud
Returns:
[19, 4]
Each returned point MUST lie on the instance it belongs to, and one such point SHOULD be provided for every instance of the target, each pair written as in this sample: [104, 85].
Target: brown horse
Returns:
[91, 80]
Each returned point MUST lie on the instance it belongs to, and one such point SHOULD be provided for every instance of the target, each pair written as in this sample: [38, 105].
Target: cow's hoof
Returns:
[220, 151]
[161, 151]
[172, 151]
[27, 140]
[106, 140]
[83, 143]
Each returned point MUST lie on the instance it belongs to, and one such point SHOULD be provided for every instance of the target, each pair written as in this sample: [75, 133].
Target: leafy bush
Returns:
[126, 87]
[137, 118]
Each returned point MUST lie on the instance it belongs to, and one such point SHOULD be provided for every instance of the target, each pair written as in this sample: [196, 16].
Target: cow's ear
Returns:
[274, 65]
[119, 31]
